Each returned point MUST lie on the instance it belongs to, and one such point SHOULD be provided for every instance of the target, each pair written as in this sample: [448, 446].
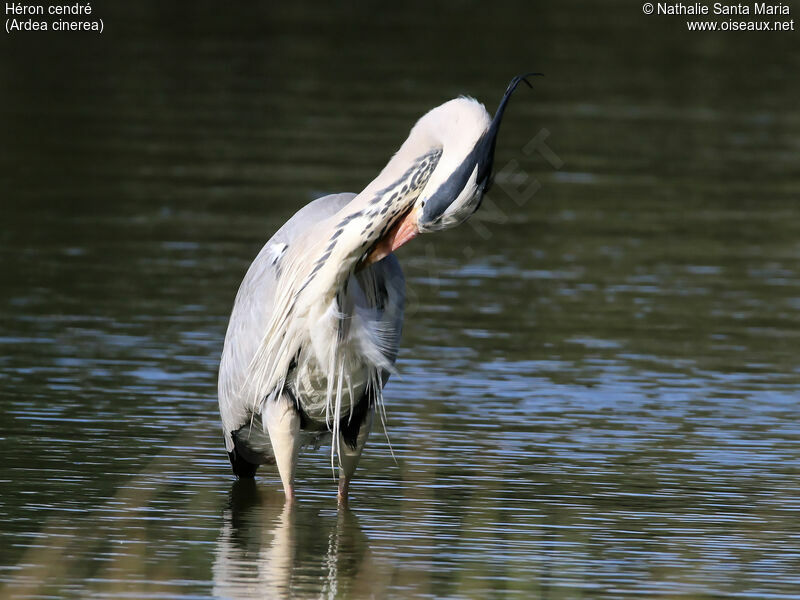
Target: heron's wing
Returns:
[384, 289]
[252, 310]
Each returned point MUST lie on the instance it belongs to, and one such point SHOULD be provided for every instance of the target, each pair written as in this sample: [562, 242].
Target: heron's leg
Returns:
[349, 455]
[283, 426]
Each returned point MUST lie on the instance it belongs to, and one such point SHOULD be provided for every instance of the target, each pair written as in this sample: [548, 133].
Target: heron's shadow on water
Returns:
[267, 548]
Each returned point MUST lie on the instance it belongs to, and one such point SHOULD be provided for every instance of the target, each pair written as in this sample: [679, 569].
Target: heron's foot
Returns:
[344, 487]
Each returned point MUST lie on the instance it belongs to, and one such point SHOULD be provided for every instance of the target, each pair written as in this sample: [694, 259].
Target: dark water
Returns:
[600, 377]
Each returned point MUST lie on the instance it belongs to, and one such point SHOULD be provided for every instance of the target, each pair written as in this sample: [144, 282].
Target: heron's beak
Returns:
[489, 140]
[401, 232]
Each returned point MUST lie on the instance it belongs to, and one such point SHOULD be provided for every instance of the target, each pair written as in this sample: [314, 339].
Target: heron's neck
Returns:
[359, 225]
[437, 144]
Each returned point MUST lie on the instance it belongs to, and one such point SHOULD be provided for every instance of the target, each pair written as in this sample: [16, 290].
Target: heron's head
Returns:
[460, 136]
[455, 189]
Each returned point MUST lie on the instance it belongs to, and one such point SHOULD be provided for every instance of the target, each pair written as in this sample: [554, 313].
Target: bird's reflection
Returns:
[268, 549]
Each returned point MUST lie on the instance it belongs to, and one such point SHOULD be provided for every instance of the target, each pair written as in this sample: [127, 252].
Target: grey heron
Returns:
[315, 327]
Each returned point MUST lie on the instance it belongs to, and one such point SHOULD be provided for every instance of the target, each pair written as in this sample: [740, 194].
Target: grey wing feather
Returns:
[384, 287]
[254, 304]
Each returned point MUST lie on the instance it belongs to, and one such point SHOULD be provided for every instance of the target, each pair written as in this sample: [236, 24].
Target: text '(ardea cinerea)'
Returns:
[315, 327]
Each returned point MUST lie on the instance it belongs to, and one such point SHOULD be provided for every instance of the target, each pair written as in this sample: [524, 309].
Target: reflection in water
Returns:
[269, 549]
